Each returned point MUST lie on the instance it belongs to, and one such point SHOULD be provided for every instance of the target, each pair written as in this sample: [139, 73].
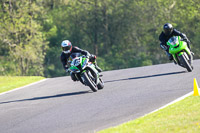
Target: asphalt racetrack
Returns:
[59, 105]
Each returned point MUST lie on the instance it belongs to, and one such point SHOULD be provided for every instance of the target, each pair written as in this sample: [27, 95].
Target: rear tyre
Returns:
[101, 84]
[185, 62]
[88, 81]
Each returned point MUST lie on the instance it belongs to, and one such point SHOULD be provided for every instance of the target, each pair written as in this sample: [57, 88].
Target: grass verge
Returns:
[11, 82]
[181, 117]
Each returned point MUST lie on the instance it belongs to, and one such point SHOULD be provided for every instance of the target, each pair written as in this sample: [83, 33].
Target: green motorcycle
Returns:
[85, 71]
[180, 52]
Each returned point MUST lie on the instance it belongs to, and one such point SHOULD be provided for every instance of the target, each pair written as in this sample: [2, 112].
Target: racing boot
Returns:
[169, 56]
[192, 53]
[188, 44]
[98, 68]
[73, 77]
[93, 60]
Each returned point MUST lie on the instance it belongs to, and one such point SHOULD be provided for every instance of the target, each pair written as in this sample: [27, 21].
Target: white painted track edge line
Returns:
[177, 100]
[23, 86]
[162, 107]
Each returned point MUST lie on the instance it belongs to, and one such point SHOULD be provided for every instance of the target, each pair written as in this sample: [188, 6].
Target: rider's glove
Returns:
[92, 58]
[186, 40]
[164, 47]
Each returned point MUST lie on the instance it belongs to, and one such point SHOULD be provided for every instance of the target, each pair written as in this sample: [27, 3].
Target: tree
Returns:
[21, 33]
[123, 33]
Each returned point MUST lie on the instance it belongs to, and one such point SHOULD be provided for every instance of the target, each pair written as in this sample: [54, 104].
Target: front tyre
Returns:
[185, 62]
[88, 81]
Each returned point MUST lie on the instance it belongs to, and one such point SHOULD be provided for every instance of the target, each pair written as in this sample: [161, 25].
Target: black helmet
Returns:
[168, 28]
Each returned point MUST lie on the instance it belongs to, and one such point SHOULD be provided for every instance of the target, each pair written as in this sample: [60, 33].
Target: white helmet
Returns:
[66, 46]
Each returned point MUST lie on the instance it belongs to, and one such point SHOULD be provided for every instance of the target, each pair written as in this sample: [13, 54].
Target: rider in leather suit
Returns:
[68, 49]
[166, 34]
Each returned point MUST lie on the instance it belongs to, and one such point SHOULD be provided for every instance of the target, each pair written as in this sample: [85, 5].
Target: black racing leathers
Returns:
[164, 38]
[64, 57]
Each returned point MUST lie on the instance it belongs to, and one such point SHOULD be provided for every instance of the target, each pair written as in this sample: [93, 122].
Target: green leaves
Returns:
[114, 30]
[20, 32]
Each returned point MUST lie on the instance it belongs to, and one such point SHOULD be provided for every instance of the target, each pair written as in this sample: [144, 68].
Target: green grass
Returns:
[181, 117]
[8, 82]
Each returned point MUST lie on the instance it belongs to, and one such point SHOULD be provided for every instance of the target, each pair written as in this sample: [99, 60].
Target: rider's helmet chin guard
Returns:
[66, 46]
[167, 29]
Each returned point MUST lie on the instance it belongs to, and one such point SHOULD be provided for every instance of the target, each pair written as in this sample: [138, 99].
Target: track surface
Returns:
[59, 105]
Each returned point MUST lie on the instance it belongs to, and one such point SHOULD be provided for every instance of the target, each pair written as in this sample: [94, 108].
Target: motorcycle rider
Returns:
[166, 34]
[68, 49]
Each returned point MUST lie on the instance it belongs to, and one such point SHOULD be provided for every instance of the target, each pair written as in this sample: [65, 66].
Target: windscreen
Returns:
[173, 40]
[74, 55]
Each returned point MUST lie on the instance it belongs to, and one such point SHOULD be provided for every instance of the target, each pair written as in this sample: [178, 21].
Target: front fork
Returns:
[79, 77]
[188, 56]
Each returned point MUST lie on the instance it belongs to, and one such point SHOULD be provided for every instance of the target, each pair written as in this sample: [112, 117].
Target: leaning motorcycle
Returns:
[85, 72]
[180, 52]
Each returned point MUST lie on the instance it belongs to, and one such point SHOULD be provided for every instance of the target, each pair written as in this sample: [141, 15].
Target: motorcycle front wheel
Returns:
[185, 62]
[89, 81]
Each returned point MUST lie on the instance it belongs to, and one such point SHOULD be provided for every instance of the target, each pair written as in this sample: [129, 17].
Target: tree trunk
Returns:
[95, 30]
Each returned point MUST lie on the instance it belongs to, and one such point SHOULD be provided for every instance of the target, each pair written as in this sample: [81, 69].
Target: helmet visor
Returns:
[66, 48]
[167, 31]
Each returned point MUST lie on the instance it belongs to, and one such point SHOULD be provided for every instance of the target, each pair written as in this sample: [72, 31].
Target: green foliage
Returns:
[21, 38]
[122, 33]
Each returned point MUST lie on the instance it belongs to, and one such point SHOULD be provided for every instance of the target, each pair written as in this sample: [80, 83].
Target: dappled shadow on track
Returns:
[148, 76]
[47, 97]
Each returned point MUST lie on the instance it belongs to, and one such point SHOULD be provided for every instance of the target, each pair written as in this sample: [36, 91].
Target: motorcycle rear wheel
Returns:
[101, 84]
